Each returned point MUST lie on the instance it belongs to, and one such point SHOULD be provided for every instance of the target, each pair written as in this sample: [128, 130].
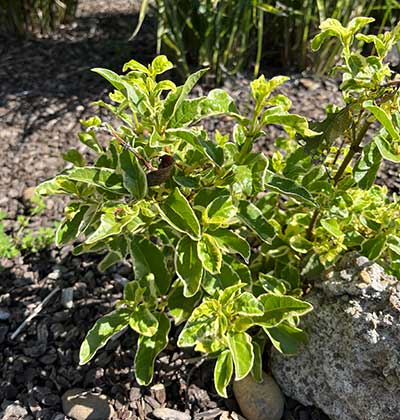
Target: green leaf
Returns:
[300, 244]
[134, 177]
[262, 88]
[148, 258]
[218, 101]
[103, 178]
[133, 292]
[272, 284]
[231, 242]
[243, 179]
[223, 372]
[385, 150]
[188, 265]
[286, 338]
[278, 308]
[148, 348]
[180, 307]
[292, 121]
[242, 353]
[373, 247]
[226, 278]
[252, 217]
[220, 210]
[74, 156]
[367, 166]
[188, 113]
[259, 172]
[209, 253]
[256, 370]
[174, 99]
[206, 195]
[201, 323]
[393, 243]
[198, 140]
[70, 229]
[101, 332]
[160, 65]
[333, 28]
[230, 293]
[109, 260]
[177, 212]
[111, 77]
[332, 127]
[143, 321]
[331, 225]
[248, 305]
[289, 187]
[111, 225]
[135, 66]
[381, 115]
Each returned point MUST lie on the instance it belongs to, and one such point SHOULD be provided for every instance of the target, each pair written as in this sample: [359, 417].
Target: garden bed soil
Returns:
[45, 89]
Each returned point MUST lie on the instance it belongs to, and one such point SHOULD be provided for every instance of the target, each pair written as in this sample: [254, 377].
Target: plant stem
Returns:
[313, 221]
[354, 148]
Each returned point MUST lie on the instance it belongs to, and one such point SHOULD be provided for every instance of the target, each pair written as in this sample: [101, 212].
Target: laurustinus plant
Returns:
[220, 237]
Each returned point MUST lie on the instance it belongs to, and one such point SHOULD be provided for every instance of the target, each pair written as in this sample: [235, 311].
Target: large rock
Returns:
[351, 366]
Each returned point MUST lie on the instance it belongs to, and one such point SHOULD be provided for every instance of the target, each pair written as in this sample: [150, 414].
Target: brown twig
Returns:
[132, 150]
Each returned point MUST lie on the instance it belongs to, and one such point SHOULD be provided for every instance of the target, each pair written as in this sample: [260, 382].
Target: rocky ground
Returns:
[45, 89]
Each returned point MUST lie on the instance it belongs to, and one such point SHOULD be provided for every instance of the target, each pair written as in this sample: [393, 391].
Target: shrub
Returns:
[219, 236]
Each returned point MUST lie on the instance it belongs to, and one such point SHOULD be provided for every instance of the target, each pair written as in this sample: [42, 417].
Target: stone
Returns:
[67, 297]
[350, 368]
[226, 415]
[4, 315]
[14, 411]
[170, 414]
[159, 393]
[83, 405]
[259, 401]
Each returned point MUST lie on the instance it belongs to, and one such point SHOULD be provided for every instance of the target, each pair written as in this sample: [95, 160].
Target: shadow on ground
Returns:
[43, 78]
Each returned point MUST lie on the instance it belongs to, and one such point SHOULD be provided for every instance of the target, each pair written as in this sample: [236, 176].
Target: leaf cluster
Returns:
[221, 237]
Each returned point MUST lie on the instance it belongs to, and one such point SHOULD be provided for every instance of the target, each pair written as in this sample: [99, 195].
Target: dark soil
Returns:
[45, 89]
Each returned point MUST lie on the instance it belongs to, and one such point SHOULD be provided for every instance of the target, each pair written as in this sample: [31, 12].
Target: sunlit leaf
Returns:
[148, 348]
[223, 371]
[188, 265]
[104, 328]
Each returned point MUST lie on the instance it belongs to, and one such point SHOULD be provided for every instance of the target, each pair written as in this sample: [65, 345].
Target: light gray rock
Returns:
[259, 401]
[14, 411]
[351, 365]
[170, 414]
[83, 405]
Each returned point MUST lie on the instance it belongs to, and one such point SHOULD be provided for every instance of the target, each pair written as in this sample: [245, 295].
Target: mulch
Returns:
[45, 89]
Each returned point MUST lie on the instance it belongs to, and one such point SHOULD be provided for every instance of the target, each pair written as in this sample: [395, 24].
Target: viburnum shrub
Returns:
[219, 236]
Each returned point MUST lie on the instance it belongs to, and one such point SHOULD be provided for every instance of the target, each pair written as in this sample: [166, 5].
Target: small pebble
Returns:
[67, 297]
[55, 274]
[4, 315]
[159, 393]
